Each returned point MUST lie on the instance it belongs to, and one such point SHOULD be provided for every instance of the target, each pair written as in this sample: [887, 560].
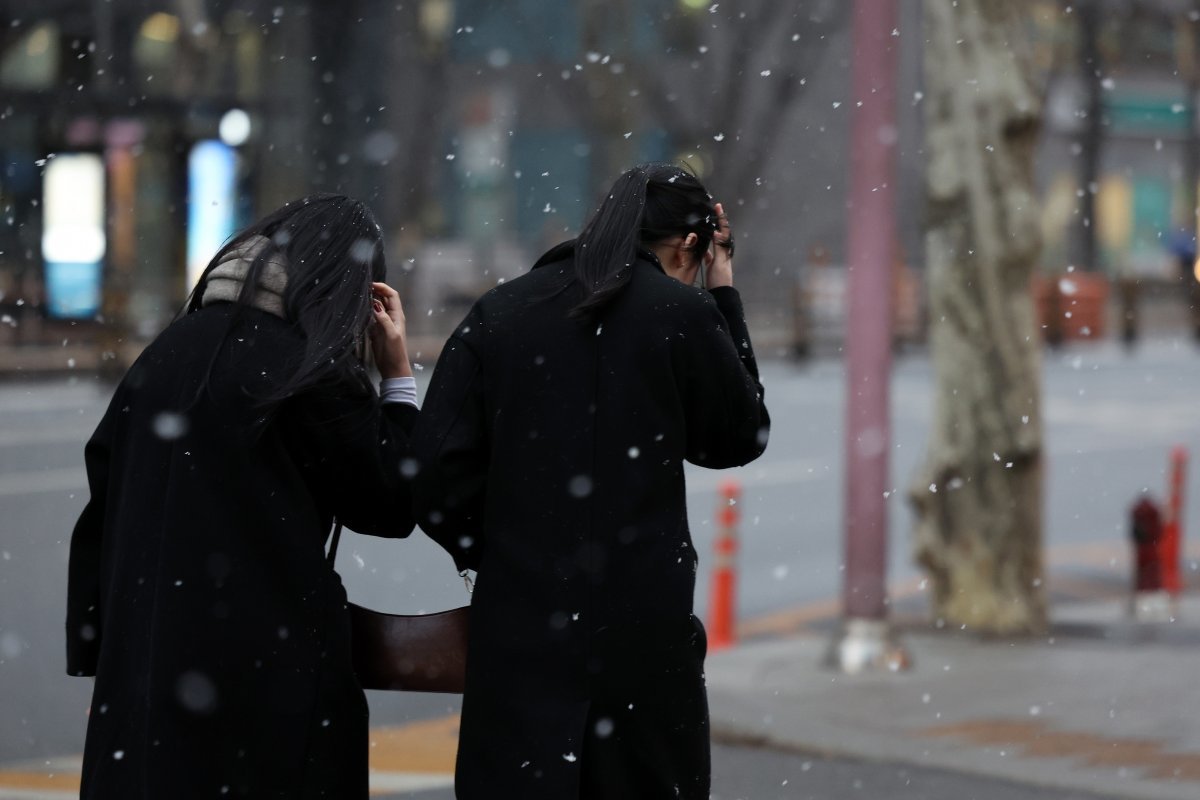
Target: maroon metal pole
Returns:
[871, 226]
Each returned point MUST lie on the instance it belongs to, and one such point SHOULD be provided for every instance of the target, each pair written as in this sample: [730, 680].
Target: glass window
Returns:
[32, 63]
[528, 31]
[154, 52]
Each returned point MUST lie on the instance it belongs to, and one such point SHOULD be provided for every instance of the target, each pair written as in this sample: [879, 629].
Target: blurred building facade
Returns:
[134, 87]
[483, 131]
[1140, 82]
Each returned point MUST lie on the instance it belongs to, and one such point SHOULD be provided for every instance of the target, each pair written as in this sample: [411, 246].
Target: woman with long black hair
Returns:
[551, 449]
[199, 593]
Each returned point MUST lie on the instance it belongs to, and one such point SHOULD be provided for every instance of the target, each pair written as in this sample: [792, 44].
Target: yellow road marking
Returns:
[27, 779]
[427, 746]
[792, 620]
[788, 621]
[403, 758]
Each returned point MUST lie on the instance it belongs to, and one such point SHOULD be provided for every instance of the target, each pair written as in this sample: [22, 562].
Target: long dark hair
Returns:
[333, 249]
[646, 205]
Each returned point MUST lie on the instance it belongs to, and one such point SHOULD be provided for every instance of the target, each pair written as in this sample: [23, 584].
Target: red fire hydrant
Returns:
[1147, 532]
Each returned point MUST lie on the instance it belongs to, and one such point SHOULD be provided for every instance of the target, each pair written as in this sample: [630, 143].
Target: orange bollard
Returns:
[722, 617]
[1172, 538]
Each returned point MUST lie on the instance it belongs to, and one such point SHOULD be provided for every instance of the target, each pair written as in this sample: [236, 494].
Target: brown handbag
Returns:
[407, 652]
[410, 652]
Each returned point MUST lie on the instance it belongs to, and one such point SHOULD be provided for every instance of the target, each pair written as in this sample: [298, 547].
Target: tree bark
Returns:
[1092, 137]
[607, 27]
[978, 496]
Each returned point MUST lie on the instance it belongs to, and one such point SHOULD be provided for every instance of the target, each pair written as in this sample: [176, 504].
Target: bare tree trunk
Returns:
[978, 496]
[416, 116]
[607, 27]
[755, 56]
[1092, 136]
[731, 82]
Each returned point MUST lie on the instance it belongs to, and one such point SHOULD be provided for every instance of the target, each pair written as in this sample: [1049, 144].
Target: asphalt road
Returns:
[1111, 419]
[744, 773]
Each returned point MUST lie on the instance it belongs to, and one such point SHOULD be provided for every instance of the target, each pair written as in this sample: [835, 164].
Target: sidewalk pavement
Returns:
[1102, 704]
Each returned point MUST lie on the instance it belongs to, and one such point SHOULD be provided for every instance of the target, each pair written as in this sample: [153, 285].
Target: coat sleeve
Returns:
[84, 616]
[355, 453]
[452, 452]
[727, 420]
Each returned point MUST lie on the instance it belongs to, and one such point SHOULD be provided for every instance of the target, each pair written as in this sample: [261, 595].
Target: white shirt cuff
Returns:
[399, 390]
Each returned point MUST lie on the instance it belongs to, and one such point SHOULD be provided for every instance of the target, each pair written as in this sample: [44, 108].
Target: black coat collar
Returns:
[566, 250]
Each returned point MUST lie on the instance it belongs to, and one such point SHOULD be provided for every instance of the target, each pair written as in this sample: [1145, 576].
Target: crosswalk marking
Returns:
[37, 794]
[383, 783]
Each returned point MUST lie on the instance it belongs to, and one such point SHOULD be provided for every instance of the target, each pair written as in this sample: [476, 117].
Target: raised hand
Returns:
[389, 338]
[718, 261]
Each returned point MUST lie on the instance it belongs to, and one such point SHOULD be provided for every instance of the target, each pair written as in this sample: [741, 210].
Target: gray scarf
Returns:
[226, 279]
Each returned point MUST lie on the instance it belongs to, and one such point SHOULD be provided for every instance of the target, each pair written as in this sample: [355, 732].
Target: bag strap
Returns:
[331, 557]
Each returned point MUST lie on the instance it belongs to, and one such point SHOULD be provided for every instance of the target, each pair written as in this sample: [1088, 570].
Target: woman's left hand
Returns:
[388, 334]
[718, 261]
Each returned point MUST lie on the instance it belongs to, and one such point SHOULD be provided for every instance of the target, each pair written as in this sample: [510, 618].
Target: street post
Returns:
[864, 641]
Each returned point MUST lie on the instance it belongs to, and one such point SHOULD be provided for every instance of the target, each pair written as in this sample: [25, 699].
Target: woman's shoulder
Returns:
[519, 294]
[652, 283]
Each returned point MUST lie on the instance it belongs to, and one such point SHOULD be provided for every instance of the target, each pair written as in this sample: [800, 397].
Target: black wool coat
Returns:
[551, 460]
[199, 594]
